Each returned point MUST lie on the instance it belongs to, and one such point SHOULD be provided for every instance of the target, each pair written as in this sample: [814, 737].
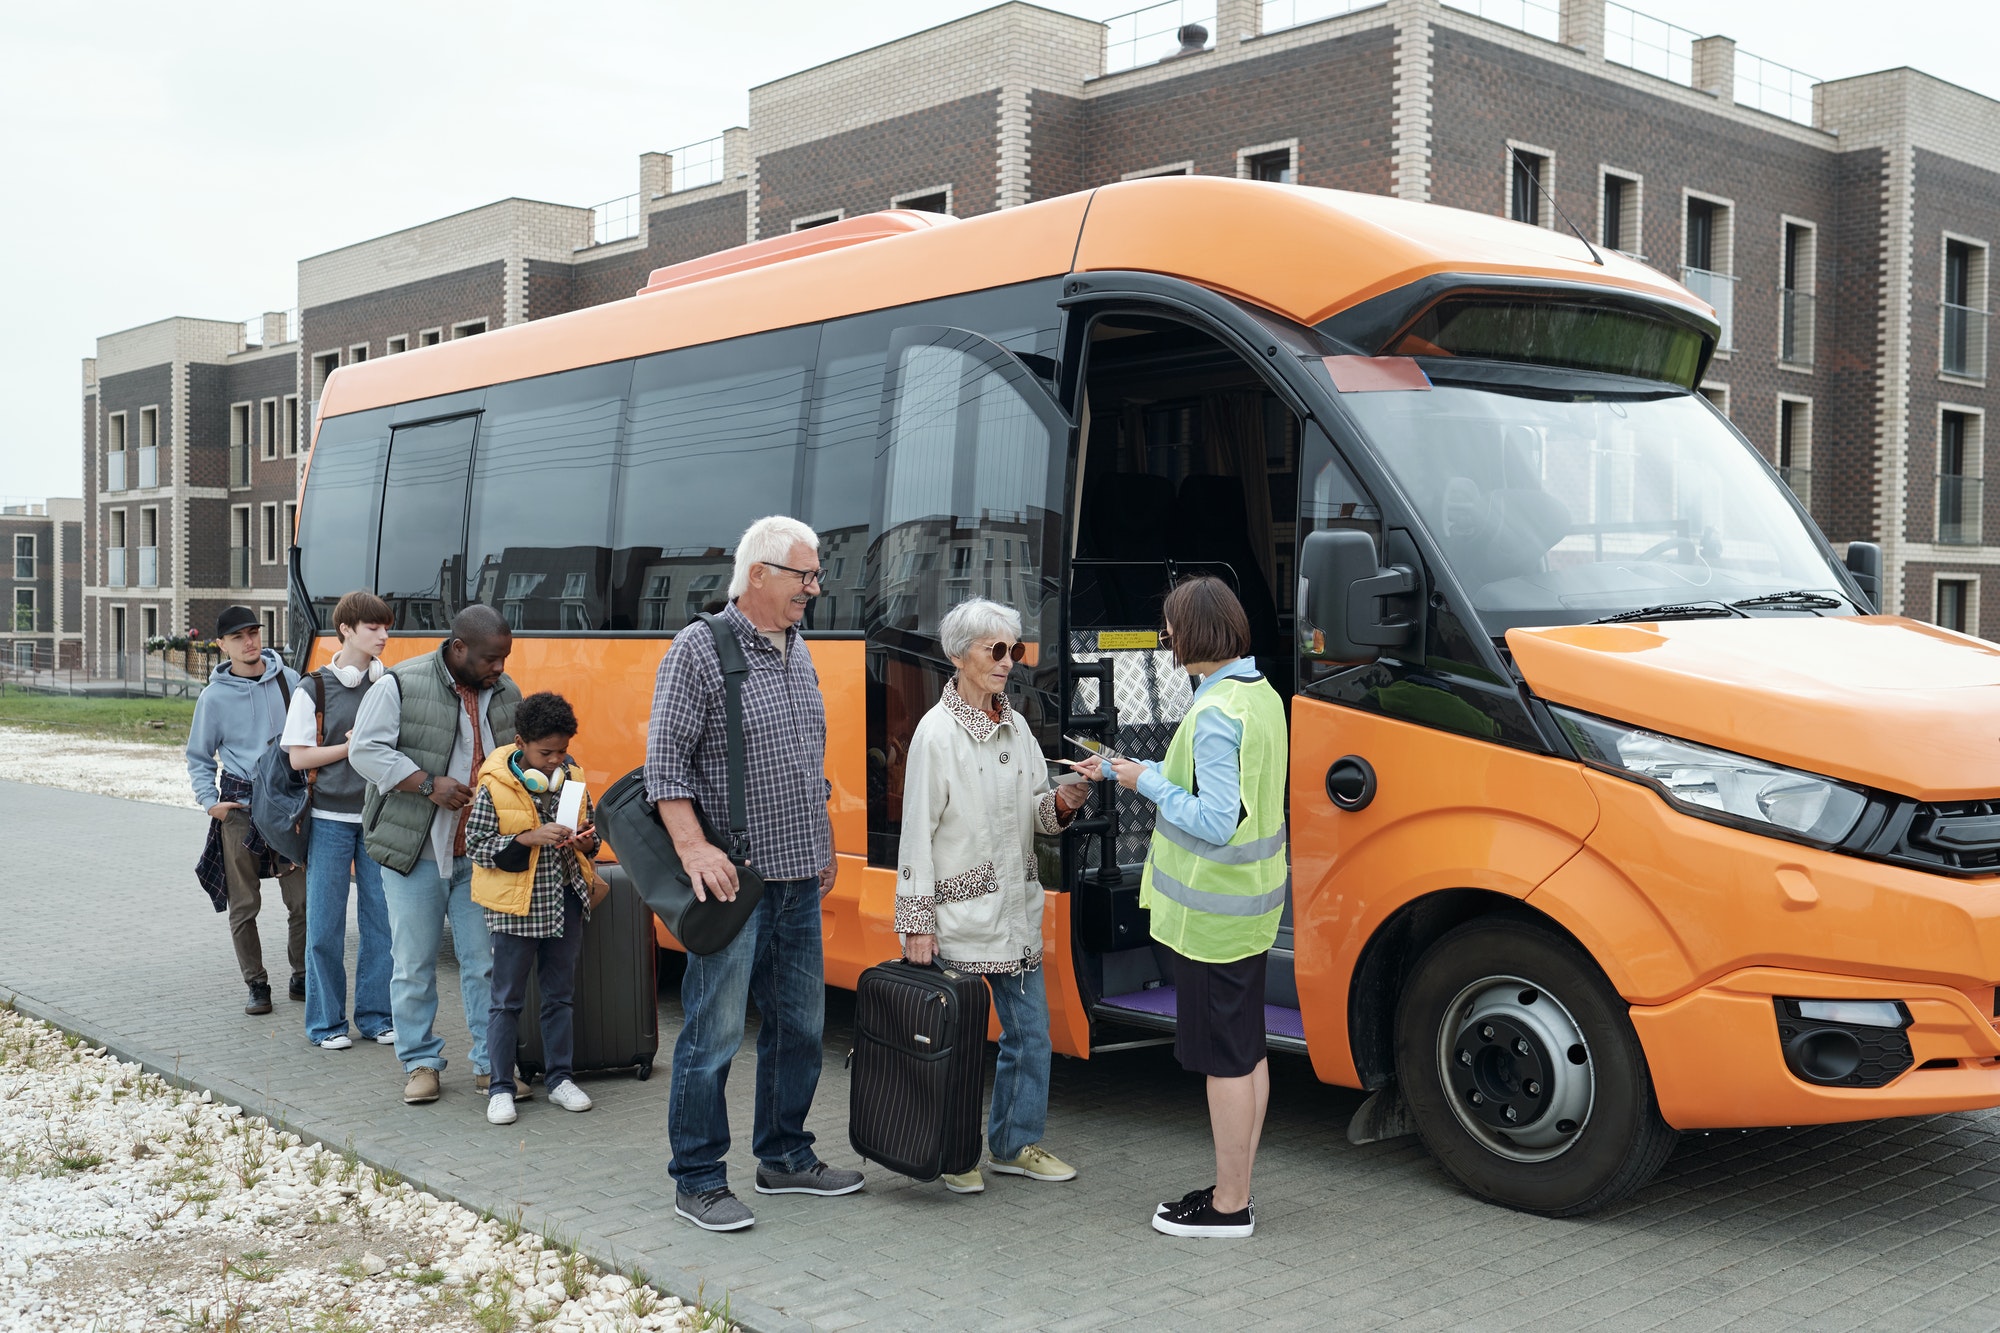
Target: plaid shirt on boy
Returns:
[784, 745]
[554, 871]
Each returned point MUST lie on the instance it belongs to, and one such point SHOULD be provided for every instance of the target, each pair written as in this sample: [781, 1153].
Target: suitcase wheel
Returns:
[645, 1070]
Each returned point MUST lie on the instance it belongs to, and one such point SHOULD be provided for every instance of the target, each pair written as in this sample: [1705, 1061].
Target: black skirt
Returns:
[1219, 1028]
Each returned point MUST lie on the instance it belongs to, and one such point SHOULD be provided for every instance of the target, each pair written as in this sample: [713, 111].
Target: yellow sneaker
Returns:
[970, 1182]
[1036, 1163]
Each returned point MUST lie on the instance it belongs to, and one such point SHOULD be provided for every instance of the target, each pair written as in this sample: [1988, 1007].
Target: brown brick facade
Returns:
[953, 144]
[405, 311]
[673, 234]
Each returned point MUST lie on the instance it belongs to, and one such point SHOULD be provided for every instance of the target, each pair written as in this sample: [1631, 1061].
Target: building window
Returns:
[1717, 394]
[267, 428]
[430, 337]
[291, 425]
[149, 547]
[288, 537]
[1169, 169]
[1964, 309]
[399, 343]
[114, 453]
[1276, 162]
[24, 555]
[357, 354]
[24, 610]
[469, 328]
[239, 445]
[1528, 174]
[1794, 451]
[817, 219]
[268, 528]
[269, 619]
[935, 200]
[1706, 260]
[114, 551]
[1960, 476]
[239, 546]
[323, 366]
[149, 428]
[1957, 602]
[149, 622]
[1618, 212]
[1796, 315]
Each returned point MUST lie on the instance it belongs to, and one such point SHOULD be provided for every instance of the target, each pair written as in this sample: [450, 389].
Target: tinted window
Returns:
[338, 522]
[540, 539]
[712, 440]
[421, 564]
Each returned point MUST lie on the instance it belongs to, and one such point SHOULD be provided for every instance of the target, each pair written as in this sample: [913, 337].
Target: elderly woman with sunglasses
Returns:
[975, 792]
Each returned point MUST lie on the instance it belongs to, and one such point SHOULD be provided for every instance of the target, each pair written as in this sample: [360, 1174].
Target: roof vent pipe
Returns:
[1193, 39]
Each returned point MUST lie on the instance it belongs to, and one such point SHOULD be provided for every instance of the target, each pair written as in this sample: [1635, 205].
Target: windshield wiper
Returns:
[1796, 600]
[1672, 611]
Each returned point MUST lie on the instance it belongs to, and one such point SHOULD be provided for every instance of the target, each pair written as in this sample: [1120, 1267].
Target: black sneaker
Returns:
[298, 991]
[1193, 1198]
[260, 998]
[1195, 1215]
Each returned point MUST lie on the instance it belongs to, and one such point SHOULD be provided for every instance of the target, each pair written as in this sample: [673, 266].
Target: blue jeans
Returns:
[418, 904]
[555, 957]
[335, 850]
[776, 961]
[1021, 1078]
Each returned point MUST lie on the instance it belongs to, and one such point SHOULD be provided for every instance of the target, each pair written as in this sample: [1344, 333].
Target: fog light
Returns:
[1859, 1013]
[1824, 1055]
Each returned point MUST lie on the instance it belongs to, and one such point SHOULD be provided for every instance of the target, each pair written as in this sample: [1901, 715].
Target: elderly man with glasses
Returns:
[776, 958]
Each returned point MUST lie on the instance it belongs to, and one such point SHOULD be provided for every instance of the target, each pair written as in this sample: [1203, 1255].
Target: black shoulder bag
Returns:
[631, 827]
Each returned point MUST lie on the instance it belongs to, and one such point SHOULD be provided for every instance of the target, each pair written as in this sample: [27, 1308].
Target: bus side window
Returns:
[342, 509]
[419, 568]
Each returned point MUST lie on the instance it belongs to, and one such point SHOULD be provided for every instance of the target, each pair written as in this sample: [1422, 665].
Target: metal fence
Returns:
[1777, 89]
[42, 668]
[1540, 18]
[697, 164]
[614, 220]
[1650, 45]
[1146, 35]
[1277, 15]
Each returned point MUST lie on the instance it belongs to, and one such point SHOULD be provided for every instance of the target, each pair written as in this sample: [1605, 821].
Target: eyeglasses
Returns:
[805, 575]
[1003, 650]
[1166, 638]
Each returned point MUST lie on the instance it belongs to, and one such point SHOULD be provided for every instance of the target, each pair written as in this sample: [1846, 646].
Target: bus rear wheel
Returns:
[1521, 1068]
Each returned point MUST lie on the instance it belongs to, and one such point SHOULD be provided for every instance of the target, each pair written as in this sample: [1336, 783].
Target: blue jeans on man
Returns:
[418, 905]
[335, 850]
[776, 961]
[1021, 1077]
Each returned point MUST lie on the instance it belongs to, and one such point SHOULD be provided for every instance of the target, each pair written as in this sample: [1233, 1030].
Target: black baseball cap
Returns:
[234, 618]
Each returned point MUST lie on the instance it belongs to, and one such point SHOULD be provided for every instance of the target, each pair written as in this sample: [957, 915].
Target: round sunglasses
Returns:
[1003, 651]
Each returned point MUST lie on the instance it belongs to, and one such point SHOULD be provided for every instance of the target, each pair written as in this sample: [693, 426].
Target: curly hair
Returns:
[543, 715]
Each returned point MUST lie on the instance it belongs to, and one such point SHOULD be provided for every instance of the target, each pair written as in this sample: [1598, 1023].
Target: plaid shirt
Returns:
[554, 872]
[784, 745]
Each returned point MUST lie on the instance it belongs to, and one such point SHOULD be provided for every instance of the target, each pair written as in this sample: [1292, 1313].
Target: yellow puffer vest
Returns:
[515, 806]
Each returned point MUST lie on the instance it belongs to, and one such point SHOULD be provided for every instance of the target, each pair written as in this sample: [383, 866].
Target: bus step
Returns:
[1157, 1008]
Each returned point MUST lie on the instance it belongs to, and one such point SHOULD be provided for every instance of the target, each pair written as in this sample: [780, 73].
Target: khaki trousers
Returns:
[246, 896]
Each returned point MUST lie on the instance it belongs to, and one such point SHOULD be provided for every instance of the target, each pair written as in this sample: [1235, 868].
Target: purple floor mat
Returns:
[1278, 1021]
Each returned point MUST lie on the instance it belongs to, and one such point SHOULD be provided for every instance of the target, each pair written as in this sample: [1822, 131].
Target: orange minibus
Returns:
[1614, 809]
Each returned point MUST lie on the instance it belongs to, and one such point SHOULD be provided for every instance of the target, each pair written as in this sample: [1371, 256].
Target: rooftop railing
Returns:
[1647, 44]
[697, 164]
[1778, 89]
[255, 334]
[1146, 35]
[1539, 18]
[614, 220]
[1277, 15]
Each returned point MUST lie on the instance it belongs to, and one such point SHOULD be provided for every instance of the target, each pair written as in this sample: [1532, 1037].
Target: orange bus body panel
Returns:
[1777, 689]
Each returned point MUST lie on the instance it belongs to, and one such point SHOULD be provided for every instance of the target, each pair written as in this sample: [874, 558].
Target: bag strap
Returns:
[319, 731]
[729, 656]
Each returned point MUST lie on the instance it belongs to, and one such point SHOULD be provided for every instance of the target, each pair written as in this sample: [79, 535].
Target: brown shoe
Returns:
[422, 1087]
[523, 1090]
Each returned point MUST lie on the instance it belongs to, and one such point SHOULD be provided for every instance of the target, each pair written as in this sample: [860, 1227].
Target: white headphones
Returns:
[351, 676]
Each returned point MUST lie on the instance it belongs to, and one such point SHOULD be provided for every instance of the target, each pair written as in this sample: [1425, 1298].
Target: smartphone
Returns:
[1098, 748]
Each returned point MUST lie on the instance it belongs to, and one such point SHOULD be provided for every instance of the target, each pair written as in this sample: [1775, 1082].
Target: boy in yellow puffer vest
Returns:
[534, 878]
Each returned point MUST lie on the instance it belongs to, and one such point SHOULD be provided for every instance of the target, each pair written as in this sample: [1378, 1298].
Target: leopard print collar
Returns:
[977, 724]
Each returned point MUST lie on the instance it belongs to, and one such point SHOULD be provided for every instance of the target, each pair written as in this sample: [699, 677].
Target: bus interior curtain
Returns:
[1232, 439]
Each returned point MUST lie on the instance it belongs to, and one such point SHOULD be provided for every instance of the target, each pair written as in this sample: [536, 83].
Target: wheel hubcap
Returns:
[1515, 1068]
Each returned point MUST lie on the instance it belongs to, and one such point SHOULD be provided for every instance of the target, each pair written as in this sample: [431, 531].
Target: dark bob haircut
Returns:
[540, 716]
[1208, 621]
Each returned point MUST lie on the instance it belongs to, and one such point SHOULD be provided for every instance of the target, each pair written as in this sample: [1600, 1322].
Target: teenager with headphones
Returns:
[317, 728]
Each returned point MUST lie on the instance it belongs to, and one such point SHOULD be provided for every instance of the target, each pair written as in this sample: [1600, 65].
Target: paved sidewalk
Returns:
[1892, 1225]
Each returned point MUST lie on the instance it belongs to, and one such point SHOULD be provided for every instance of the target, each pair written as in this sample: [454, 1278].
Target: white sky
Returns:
[179, 159]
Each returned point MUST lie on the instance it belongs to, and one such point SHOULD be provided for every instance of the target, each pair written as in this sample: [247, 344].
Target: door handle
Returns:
[1350, 783]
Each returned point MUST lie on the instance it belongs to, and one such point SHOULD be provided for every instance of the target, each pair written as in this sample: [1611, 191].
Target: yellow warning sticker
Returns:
[1110, 640]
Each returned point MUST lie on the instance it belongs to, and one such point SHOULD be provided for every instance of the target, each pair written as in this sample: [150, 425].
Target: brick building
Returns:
[43, 585]
[1841, 228]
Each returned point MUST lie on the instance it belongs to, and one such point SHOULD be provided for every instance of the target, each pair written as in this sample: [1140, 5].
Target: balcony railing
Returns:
[114, 566]
[1796, 311]
[614, 220]
[1958, 510]
[114, 471]
[1800, 480]
[239, 566]
[1650, 45]
[239, 464]
[1777, 89]
[1281, 14]
[697, 164]
[1539, 18]
[149, 566]
[149, 468]
[1146, 35]
[1719, 290]
[1964, 341]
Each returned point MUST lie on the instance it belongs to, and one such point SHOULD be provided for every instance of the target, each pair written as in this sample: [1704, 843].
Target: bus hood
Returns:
[1878, 700]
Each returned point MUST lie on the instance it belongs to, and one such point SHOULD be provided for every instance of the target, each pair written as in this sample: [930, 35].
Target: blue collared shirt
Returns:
[1213, 815]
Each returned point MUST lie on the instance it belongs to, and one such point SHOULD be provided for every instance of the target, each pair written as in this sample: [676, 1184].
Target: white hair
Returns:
[975, 621]
[768, 541]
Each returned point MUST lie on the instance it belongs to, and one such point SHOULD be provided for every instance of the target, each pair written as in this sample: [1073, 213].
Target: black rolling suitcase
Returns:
[617, 1016]
[919, 1068]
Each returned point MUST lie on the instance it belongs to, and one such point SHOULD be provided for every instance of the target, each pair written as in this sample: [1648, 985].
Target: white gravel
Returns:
[135, 771]
[131, 1204]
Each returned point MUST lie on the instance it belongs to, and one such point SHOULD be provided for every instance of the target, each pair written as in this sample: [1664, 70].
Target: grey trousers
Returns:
[246, 896]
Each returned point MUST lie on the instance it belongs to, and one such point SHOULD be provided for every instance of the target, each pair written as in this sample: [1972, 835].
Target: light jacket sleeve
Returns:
[202, 744]
[926, 793]
[377, 724]
[1212, 815]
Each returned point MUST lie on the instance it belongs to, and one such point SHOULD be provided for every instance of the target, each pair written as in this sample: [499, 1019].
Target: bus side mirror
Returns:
[1864, 562]
[1343, 584]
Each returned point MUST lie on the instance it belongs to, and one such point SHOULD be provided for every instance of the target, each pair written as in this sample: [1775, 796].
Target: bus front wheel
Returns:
[1521, 1068]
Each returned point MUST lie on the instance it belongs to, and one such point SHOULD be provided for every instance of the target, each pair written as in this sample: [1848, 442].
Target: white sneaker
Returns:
[340, 1041]
[386, 1037]
[500, 1109]
[569, 1096]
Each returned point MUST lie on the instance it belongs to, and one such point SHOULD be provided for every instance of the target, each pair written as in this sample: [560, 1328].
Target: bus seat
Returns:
[1520, 527]
[1125, 519]
[1211, 525]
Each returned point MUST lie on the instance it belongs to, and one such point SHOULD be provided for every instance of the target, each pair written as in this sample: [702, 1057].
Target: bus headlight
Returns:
[1714, 784]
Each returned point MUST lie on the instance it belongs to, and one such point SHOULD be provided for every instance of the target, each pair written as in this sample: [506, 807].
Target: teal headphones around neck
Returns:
[534, 779]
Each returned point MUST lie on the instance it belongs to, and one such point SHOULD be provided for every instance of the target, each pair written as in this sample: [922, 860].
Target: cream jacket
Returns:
[975, 793]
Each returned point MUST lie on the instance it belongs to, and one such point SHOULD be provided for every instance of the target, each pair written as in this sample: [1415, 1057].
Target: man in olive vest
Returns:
[419, 738]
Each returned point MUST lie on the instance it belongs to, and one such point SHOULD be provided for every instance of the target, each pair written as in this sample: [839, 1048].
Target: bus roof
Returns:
[1302, 252]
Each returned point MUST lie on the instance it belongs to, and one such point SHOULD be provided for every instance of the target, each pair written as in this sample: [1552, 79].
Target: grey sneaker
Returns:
[714, 1210]
[819, 1178]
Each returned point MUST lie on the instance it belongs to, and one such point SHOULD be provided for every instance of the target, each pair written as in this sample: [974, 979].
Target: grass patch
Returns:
[155, 721]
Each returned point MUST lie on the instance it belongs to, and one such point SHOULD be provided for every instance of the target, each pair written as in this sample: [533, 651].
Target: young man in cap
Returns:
[239, 712]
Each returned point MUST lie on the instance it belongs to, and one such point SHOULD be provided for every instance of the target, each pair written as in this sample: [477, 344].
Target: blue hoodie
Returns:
[234, 719]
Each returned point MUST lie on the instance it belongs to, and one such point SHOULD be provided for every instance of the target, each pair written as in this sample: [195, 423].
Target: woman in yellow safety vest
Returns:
[1215, 883]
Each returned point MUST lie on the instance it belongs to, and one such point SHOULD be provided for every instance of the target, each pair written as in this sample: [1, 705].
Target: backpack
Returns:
[280, 795]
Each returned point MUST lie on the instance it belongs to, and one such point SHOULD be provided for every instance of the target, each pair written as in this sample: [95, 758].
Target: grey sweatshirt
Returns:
[234, 719]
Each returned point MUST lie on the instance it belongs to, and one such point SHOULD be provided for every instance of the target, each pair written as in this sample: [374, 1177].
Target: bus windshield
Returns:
[1559, 508]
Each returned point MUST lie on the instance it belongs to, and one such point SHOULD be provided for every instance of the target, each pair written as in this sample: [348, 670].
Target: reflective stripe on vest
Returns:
[1228, 854]
[1220, 904]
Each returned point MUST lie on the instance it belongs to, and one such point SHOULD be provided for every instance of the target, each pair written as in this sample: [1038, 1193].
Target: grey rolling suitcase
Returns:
[617, 1016]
